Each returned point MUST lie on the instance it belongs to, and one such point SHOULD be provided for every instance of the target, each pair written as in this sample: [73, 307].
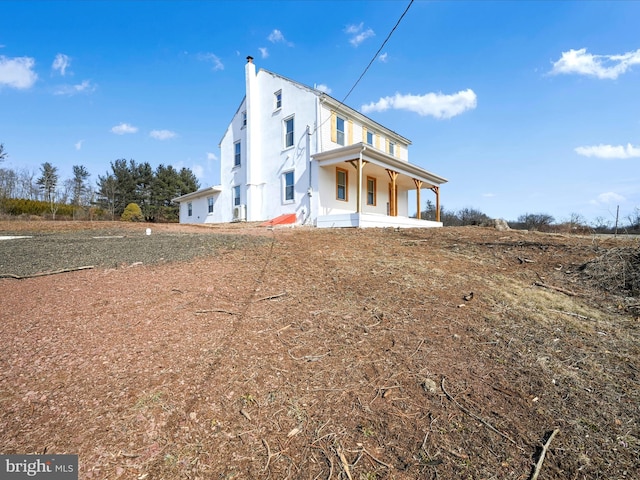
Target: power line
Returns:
[379, 50]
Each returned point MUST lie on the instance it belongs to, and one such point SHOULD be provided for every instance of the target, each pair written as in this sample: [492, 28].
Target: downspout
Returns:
[309, 167]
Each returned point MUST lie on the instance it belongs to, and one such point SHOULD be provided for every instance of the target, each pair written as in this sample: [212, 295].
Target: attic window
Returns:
[244, 119]
[278, 98]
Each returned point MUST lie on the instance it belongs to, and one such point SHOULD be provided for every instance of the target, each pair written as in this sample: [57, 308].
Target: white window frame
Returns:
[235, 199]
[340, 134]
[244, 119]
[392, 148]
[344, 188]
[278, 100]
[237, 153]
[373, 137]
[190, 209]
[286, 133]
[288, 188]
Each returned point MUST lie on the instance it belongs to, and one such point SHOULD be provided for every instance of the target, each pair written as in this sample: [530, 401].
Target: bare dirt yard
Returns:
[240, 352]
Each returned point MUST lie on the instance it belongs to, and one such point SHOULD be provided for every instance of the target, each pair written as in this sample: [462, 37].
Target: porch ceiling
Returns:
[379, 158]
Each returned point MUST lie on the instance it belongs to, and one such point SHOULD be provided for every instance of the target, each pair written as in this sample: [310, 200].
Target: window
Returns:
[289, 186]
[210, 204]
[369, 138]
[278, 99]
[371, 191]
[342, 180]
[190, 209]
[244, 119]
[237, 155]
[392, 148]
[236, 195]
[288, 132]
[340, 131]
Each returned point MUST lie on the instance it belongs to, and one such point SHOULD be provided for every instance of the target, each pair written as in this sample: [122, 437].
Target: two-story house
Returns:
[295, 153]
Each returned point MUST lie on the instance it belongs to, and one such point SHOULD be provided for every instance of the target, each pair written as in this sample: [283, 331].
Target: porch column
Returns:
[418, 184]
[435, 189]
[359, 166]
[392, 201]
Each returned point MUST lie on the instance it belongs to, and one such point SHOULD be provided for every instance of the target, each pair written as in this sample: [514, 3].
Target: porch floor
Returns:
[372, 220]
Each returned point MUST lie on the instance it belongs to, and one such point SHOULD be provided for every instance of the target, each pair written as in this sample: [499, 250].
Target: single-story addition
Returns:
[295, 154]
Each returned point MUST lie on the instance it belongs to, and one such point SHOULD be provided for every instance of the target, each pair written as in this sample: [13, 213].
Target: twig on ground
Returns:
[557, 289]
[44, 274]
[266, 445]
[215, 310]
[345, 464]
[271, 297]
[582, 317]
[417, 348]
[471, 414]
[309, 358]
[377, 460]
[525, 260]
[545, 447]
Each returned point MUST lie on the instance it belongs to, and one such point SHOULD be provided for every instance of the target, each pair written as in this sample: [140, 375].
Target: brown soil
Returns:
[304, 354]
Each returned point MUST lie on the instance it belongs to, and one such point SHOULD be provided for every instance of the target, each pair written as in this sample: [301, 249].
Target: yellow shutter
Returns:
[386, 145]
[378, 142]
[350, 137]
[334, 134]
[364, 134]
[397, 152]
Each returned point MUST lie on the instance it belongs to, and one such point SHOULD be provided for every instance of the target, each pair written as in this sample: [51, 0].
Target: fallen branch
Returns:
[471, 414]
[545, 447]
[345, 464]
[215, 310]
[266, 445]
[557, 289]
[582, 317]
[390, 467]
[272, 297]
[44, 274]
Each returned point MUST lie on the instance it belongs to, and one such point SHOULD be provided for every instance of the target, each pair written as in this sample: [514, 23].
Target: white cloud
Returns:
[488, 195]
[437, 105]
[17, 72]
[211, 156]
[323, 88]
[162, 134]
[276, 36]
[610, 197]
[213, 59]
[78, 144]
[609, 151]
[383, 57]
[358, 34]
[61, 63]
[84, 87]
[264, 52]
[601, 66]
[124, 128]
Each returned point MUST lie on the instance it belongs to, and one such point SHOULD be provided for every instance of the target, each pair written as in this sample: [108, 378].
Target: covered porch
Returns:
[361, 186]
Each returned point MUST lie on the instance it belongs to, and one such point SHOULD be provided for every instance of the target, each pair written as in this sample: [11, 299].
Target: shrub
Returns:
[132, 213]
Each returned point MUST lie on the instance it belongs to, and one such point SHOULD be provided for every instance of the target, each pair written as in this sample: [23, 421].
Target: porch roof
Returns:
[377, 157]
[198, 193]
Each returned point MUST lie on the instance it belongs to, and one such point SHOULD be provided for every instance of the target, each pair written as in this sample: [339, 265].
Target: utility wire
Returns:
[379, 50]
[373, 59]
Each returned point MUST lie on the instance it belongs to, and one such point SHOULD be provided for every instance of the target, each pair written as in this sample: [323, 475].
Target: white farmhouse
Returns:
[293, 154]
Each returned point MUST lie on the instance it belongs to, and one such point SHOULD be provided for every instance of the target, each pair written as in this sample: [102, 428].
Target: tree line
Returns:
[536, 221]
[127, 182]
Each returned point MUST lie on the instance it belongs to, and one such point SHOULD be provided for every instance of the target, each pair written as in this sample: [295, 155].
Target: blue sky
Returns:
[525, 107]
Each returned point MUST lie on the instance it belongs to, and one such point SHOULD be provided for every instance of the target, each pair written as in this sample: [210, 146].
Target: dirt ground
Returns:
[449, 353]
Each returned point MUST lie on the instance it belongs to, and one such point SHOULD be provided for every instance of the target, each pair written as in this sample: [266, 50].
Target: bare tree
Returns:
[3, 153]
[536, 221]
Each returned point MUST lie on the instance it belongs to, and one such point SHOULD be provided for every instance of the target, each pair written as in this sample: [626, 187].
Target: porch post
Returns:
[359, 189]
[435, 189]
[392, 201]
[418, 184]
